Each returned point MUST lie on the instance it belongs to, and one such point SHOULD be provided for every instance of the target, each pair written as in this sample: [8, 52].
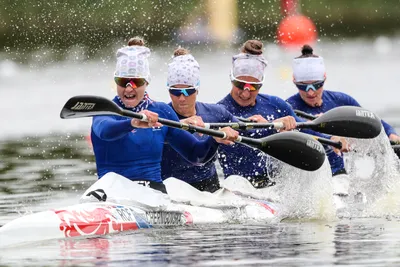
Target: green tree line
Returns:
[30, 24]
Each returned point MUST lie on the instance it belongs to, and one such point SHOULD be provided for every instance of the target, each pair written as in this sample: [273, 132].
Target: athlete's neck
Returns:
[185, 112]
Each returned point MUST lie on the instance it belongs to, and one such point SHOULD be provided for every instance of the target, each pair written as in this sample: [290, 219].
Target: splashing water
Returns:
[373, 169]
[305, 195]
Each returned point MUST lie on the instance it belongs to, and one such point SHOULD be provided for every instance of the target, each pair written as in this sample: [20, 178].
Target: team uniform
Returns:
[136, 153]
[203, 177]
[330, 100]
[249, 162]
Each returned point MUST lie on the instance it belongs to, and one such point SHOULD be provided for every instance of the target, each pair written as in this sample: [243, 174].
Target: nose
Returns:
[310, 92]
[245, 93]
[129, 88]
[182, 98]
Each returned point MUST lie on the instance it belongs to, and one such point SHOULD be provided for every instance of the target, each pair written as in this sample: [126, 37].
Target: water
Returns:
[46, 163]
[367, 242]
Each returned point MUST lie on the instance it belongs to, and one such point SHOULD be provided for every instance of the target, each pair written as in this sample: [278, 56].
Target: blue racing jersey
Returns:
[249, 162]
[174, 165]
[136, 152]
[330, 100]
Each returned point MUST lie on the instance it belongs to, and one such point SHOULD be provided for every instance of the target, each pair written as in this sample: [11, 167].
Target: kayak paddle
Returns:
[347, 121]
[294, 148]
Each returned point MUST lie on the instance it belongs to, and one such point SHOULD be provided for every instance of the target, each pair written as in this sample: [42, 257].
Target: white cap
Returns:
[308, 69]
[132, 62]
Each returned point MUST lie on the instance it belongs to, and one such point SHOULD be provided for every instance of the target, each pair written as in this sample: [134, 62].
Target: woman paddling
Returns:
[183, 85]
[244, 100]
[133, 148]
[309, 77]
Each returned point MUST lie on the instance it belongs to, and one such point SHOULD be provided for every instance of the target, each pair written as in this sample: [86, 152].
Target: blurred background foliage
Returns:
[55, 24]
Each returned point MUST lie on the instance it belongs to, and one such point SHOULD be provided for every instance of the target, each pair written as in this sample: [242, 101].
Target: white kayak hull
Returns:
[102, 218]
[78, 220]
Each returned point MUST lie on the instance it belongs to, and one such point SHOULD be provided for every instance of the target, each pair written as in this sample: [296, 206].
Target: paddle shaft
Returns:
[257, 143]
[219, 134]
[191, 128]
[395, 145]
[297, 149]
[271, 125]
[305, 115]
[175, 124]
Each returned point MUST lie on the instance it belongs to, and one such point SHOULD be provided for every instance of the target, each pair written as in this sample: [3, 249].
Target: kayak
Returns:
[116, 204]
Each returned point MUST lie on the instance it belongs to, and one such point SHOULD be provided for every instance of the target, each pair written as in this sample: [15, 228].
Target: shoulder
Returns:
[213, 112]
[271, 99]
[163, 109]
[100, 118]
[339, 95]
[295, 101]
[161, 106]
[209, 106]
[293, 98]
[224, 100]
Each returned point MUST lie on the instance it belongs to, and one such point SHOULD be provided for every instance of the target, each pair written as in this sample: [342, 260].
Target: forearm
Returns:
[193, 150]
[388, 129]
[108, 128]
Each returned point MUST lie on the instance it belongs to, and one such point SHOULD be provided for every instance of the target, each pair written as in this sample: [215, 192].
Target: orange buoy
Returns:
[296, 30]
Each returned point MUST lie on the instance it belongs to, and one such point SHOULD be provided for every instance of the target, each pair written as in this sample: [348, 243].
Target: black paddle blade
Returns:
[89, 106]
[297, 149]
[349, 121]
[396, 149]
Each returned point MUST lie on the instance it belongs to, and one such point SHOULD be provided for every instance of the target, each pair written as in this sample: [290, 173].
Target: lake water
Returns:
[46, 162]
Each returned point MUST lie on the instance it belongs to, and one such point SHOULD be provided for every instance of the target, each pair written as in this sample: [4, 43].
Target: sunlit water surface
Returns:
[46, 163]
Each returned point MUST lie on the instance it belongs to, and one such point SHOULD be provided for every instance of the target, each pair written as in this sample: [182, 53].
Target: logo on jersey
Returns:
[270, 117]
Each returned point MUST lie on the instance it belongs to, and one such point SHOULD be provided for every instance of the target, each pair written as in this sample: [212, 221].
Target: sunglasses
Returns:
[310, 86]
[244, 85]
[182, 91]
[123, 82]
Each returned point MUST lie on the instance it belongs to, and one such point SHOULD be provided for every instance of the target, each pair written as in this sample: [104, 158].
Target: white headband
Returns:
[308, 69]
[185, 70]
[245, 64]
[132, 62]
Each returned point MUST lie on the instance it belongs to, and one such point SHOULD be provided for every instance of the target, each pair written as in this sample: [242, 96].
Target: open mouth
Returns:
[130, 96]
[245, 99]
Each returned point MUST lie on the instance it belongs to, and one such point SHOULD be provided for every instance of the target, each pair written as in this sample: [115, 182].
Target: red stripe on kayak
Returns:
[97, 221]
[266, 206]
[189, 217]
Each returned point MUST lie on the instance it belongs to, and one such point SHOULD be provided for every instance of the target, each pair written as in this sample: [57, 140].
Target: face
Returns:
[133, 91]
[312, 97]
[185, 105]
[245, 97]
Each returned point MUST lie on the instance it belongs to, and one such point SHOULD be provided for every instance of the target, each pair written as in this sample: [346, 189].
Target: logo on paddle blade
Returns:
[365, 114]
[315, 145]
[83, 106]
[91, 221]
